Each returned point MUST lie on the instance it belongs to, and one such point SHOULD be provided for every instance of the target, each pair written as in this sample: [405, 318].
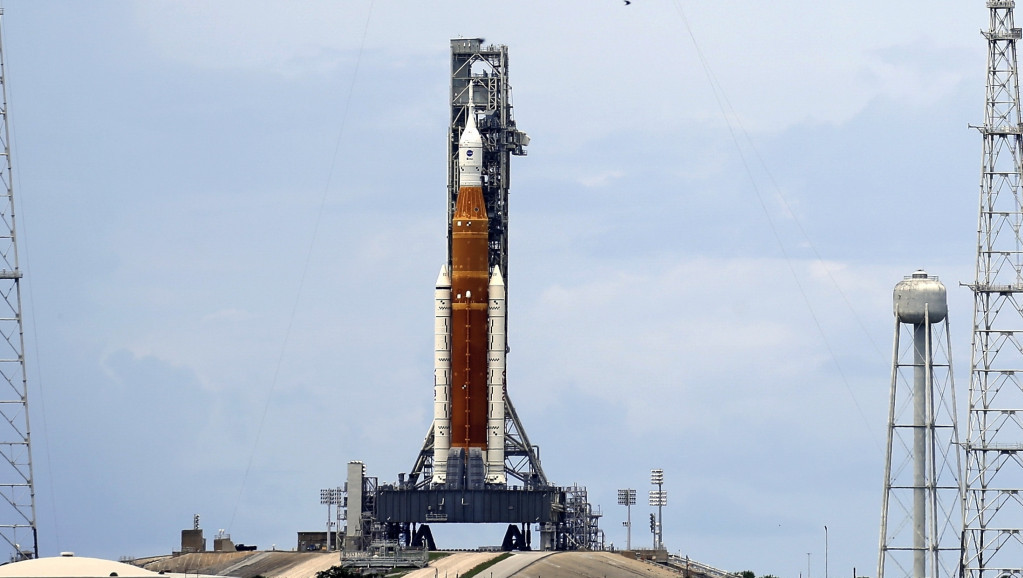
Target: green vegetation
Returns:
[337, 572]
[438, 555]
[475, 571]
[752, 574]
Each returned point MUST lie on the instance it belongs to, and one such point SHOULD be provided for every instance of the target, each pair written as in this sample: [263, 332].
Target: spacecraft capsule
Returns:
[470, 153]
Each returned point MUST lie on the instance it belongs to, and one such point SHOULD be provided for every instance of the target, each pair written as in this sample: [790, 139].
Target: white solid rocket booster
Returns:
[496, 350]
[441, 376]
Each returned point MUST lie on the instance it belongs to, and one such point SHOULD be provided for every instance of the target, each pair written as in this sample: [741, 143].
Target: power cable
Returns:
[732, 121]
[305, 267]
[24, 263]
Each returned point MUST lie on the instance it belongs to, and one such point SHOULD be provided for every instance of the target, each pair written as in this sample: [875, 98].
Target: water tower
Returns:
[921, 515]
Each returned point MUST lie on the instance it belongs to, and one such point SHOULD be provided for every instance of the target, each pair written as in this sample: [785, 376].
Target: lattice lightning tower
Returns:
[993, 485]
[17, 492]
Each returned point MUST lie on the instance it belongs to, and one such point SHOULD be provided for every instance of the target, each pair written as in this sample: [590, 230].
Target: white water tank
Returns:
[919, 293]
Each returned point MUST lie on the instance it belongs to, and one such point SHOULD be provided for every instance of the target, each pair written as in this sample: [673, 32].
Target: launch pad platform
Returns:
[507, 506]
[402, 513]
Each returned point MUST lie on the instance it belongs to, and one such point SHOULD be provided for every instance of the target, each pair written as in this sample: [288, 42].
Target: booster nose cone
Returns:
[496, 279]
[444, 278]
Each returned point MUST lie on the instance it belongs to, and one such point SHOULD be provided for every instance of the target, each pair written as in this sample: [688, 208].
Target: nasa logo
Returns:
[468, 153]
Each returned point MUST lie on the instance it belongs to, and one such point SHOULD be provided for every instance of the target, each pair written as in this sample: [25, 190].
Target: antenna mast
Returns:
[993, 484]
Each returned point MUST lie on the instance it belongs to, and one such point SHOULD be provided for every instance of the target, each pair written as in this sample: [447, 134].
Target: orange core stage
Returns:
[469, 303]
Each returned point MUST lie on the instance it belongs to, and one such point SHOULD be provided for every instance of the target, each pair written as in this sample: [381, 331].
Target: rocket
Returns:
[469, 336]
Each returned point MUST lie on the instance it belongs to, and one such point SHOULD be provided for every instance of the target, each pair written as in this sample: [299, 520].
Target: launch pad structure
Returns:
[476, 464]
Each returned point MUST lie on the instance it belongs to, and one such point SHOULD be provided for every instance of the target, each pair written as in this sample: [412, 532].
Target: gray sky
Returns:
[232, 216]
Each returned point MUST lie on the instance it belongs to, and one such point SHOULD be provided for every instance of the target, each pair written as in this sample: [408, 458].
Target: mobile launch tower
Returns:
[993, 484]
[17, 489]
[481, 98]
[476, 464]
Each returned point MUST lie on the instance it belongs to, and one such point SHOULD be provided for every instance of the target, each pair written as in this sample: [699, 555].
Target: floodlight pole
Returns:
[660, 499]
[329, 497]
[627, 498]
[337, 514]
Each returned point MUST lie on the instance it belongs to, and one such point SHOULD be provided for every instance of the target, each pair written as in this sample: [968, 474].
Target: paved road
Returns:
[315, 563]
[584, 565]
[453, 565]
[518, 562]
[545, 565]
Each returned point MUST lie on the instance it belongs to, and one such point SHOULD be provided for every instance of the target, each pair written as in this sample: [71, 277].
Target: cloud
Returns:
[312, 38]
[776, 66]
[601, 179]
[227, 315]
[661, 341]
[657, 317]
[922, 73]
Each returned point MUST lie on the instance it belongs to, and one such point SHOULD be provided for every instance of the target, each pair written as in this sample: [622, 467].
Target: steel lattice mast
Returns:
[993, 485]
[17, 492]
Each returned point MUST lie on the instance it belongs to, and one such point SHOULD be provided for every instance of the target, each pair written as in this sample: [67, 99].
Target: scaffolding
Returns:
[581, 526]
